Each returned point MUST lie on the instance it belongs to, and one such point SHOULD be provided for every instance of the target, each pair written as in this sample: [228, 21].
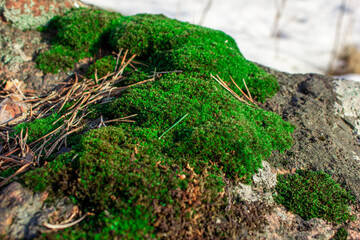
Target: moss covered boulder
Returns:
[167, 172]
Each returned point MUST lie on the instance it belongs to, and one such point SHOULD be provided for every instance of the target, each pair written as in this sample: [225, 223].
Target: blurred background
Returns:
[297, 36]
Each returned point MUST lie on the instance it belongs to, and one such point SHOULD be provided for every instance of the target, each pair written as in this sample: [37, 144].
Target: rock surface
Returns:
[322, 139]
[23, 213]
[19, 49]
[349, 109]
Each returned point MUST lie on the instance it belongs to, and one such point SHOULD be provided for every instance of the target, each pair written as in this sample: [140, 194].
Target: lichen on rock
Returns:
[30, 14]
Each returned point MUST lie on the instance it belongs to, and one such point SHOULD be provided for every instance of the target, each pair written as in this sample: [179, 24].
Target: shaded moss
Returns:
[341, 234]
[58, 57]
[45, 178]
[314, 195]
[129, 223]
[103, 66]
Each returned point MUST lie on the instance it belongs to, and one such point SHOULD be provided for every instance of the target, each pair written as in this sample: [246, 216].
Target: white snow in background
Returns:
[307, 27]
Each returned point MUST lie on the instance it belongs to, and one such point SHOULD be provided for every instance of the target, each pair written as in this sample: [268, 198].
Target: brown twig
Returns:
[20, 170]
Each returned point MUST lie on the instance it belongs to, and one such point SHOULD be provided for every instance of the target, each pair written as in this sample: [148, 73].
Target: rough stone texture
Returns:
[18, 50]
[263, 182]
[29, 14]
[349, 94]
[23, 213]
[283, 224]
[322, 139]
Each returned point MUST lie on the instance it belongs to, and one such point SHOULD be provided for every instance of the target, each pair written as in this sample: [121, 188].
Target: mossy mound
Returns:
[314, 195]
[176, 179]
[165, 44]
[79, 34]
[218, 127]
[173, 45]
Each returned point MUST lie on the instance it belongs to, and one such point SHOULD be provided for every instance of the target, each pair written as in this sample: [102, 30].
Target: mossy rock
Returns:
[128, 169]
[314, 195]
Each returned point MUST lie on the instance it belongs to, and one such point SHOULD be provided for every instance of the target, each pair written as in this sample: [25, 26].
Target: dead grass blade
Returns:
[224, 85]
[248, 97]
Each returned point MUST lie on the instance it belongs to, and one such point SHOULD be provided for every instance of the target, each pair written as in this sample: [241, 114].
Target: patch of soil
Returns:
[322, 139]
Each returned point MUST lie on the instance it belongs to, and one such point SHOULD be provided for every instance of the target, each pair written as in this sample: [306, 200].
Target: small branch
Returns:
[205, 12]
[67, 225]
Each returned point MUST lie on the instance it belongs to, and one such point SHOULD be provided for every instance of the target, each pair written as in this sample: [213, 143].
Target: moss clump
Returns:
[124, 223]
[173, 45]
[314, 195]
[79, 34]
[59, 56]
[113, 170]
[164, 43]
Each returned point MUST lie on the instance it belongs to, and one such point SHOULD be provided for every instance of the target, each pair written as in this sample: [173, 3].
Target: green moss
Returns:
[46, 178]
[8, 172]
[129, 223]
[79, 34]
[56, 59]
[314, 195]
[166, 44]
[173, 45]
[39, 127]
[104, 156]
[219, 128]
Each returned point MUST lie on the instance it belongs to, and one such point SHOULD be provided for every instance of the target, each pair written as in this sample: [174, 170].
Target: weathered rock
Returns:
[322, 139]
[265, 178]
[281, 223]
[23, 213]
[29, 14]
[18, 50]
